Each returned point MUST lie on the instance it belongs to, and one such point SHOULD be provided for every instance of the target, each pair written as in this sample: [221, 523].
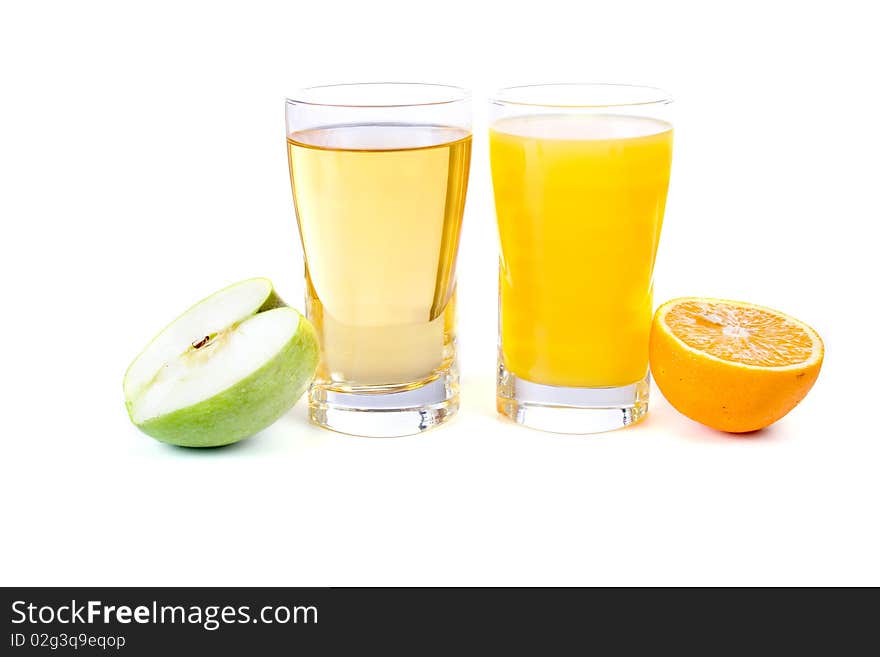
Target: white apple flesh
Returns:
[224, 370]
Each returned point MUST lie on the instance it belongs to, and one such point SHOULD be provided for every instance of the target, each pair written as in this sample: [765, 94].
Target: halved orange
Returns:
[731, 365]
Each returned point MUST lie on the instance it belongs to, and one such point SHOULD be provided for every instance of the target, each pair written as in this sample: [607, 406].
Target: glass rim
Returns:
[455, 94]
[652, 95]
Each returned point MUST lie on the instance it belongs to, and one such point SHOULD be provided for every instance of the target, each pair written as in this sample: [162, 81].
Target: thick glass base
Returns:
[570, 410]
[385, 411]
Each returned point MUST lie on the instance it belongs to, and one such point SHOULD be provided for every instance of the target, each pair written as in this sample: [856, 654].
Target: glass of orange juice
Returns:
[580, 174]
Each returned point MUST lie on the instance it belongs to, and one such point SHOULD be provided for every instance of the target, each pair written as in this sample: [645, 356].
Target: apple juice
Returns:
[379, 209]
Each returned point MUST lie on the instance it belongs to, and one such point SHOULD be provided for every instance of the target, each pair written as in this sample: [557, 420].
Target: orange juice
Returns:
[580, 201]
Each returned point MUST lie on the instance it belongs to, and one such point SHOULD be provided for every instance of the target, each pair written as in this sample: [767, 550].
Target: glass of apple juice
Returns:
[379, 173]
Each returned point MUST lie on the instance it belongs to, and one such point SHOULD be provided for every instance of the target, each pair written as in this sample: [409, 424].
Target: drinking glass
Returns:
[580, 174]
[379, 175]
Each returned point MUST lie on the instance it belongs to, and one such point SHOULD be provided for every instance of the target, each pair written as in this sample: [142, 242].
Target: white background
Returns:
[143, 166]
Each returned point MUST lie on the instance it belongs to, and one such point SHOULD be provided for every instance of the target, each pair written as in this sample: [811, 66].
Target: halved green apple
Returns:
[225, 369]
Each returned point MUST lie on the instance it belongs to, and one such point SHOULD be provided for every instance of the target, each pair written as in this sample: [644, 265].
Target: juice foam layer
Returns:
[378, 137]
[581, 127]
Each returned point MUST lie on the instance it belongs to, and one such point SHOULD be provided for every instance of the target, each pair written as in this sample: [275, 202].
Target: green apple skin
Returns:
[267, 393]
[272, 301]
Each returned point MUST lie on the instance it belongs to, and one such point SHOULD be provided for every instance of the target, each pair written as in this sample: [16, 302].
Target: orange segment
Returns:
[731, 365]
[741, 333]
